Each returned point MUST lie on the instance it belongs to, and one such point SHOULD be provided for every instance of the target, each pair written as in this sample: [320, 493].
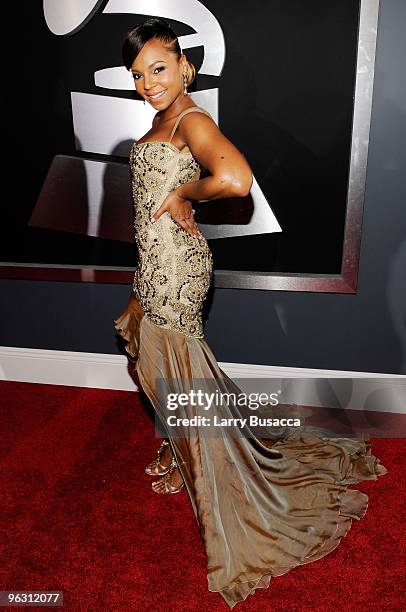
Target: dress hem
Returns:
[343, 523]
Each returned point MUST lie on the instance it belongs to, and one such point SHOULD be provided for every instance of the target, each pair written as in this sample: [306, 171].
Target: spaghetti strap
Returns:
[187, 110]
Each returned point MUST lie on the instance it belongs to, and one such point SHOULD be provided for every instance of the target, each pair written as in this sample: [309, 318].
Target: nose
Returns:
[148, 82]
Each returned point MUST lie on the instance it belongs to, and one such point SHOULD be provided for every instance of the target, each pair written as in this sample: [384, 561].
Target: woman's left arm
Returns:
[230, 173]
[231, 176]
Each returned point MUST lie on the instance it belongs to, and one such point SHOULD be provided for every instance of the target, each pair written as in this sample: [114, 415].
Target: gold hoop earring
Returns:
[184, 84]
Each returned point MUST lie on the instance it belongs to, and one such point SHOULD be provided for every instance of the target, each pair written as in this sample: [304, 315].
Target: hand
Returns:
[181, 211]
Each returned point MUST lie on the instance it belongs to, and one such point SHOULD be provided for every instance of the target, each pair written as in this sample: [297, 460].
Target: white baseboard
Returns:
[105, 371]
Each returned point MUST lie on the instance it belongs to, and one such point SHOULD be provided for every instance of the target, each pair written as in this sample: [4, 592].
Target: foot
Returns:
[170, 483]
[161, 464]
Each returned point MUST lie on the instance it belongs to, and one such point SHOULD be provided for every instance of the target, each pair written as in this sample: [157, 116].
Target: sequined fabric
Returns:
[174, 269]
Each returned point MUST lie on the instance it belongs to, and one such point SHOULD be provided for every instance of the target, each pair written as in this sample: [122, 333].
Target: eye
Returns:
[137, 76]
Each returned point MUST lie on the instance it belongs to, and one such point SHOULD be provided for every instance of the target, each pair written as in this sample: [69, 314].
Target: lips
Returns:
[158, 95]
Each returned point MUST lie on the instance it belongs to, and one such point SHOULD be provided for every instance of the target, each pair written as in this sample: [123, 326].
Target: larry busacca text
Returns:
[216, 421]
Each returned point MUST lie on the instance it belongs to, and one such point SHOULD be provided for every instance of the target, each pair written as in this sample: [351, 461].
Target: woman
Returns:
[262, 508]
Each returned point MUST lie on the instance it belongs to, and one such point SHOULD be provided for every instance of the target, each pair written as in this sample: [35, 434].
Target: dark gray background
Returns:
[364, 332]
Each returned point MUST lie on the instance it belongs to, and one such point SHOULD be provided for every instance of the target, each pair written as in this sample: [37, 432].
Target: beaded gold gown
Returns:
[262, 508]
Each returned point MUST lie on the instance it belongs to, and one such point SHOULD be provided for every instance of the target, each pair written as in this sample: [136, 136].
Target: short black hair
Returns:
[135, 39]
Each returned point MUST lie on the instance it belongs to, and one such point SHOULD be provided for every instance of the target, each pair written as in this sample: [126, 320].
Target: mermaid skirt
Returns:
[263, 507]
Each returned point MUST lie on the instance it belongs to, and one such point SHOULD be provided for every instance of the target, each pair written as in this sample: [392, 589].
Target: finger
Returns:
[188, 226]
[190, 223]
[192, 226]
[183, 222]
[197, 232]
[157, 213]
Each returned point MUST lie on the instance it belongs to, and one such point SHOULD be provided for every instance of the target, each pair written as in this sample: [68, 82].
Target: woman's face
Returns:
[157, 74]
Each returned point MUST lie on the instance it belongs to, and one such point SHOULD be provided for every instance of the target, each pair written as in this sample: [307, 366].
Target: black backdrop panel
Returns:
[285, 99]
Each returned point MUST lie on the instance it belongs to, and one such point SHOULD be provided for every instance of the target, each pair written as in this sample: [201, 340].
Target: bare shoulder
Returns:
[201, 134]
[197, 122]
[208, 144]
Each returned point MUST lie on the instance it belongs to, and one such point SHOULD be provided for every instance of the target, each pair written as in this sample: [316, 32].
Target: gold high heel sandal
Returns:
[168, 488]
[155, 468]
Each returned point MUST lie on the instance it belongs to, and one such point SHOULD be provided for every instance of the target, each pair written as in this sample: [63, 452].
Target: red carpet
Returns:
[78, 515]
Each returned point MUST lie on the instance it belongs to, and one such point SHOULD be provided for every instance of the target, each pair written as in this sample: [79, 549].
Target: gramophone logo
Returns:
[107, 125]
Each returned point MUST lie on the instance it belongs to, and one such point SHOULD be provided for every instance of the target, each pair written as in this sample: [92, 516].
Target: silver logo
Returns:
[107, 124]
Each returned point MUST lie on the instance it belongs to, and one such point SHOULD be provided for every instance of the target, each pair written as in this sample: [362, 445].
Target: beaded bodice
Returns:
[174, 269]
